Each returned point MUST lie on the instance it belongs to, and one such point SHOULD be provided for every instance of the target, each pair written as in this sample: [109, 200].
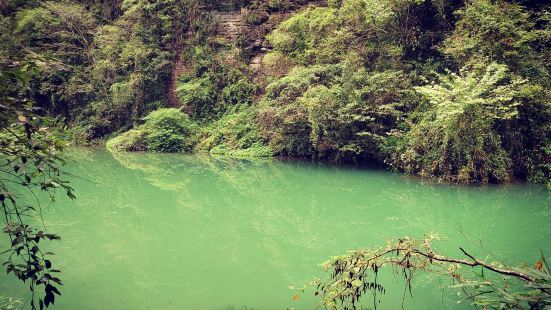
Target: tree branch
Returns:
[475, 262]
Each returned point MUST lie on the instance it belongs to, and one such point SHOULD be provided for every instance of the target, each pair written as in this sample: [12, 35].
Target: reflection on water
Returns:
[197, 232]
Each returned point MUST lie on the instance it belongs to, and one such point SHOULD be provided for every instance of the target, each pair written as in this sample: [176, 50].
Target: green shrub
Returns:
[169, 131]
[354, 87]
[279, 5]
[377, 33]
[126, 65]
[539, 165]
[31, 21]
[164, 130]
[335, 112]
[236, 134]
[121, 95]
[301, 35]
[255, 150]
[499, 30]
[240, 92]
[466, 150]
[277, 64]
[283, 121]
[216, 83]
[199, 95]
[130, 141]
[511, 34]
[256, 17]
[456, 139]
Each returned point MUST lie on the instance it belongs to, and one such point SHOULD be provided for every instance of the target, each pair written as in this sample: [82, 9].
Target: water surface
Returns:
[152, 231]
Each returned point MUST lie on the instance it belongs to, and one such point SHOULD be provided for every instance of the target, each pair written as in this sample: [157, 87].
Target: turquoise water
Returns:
[152, 231]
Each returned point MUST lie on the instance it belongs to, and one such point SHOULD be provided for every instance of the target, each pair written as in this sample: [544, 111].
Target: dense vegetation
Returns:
[448, 89]
[455, 90]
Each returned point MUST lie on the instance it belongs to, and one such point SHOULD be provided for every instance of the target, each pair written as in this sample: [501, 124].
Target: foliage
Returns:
[355, 274]
[234, 134]
[216, 84]
[97, 49]
[300, 35]
[376, 34]
[199, 95]
[277, 64]
[9, 303]
[282, 121]
[352, 80]
[456, 139]
[476, 129]
[212, 88]
[255, 150]
[61, 34]
[487, 87]
[501, 31]
[333, 111]
[354, 88]
[132, 65]
[510, 34]
[30, 160]
[132, 140]
[218, 94]
[169, 130]
[164, 130]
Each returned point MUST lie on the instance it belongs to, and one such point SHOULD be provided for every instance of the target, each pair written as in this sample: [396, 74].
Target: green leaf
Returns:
[545, 262]
[51, 288]
[16, 241]
[49, 298]
[71, 195]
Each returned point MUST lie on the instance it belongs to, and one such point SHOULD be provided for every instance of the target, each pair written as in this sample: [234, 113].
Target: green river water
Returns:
[151, 231]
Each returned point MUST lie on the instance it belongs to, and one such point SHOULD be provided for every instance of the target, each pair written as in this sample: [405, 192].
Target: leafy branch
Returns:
[30, 160]
[355, 274]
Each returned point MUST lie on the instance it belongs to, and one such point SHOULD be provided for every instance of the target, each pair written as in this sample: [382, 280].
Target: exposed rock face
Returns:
[244, 23]
[250, 21]
[256, 62]
[262, 20]
[224, 5]
[256, 44]
[232, 23]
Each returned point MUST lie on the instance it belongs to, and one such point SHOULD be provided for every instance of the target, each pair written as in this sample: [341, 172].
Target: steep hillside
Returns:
[449, 89]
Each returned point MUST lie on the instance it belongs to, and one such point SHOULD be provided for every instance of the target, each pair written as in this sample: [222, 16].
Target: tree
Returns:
[30, 160]
[61, 34]
[456, 138]
[355, 274]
